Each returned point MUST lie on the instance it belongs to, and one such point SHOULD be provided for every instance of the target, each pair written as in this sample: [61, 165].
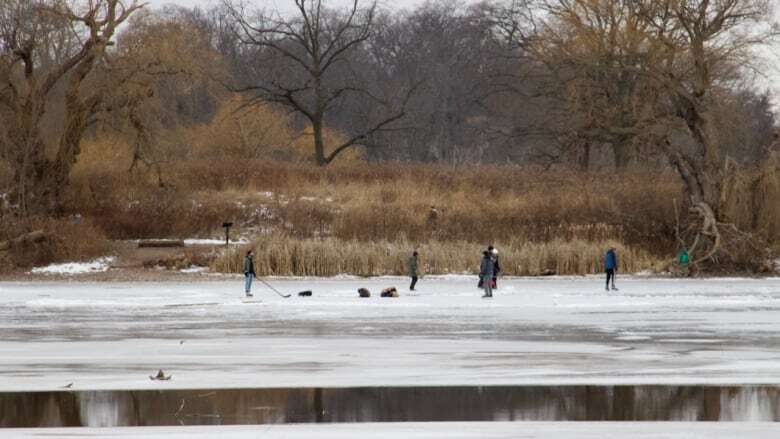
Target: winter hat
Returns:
[495, 251]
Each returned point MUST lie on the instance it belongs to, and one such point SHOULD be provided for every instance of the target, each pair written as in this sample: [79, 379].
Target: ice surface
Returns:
[433, 430]
[535, 331]
[101, 264]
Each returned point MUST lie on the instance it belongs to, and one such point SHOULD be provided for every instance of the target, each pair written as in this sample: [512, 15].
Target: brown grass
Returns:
[558, 220]
[389, 202]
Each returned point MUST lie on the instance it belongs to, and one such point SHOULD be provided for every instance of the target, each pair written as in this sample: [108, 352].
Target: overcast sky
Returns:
[772, 57]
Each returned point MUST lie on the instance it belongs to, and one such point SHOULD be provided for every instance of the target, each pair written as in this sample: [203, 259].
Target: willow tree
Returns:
[590, 50]
[687, 55]
[704, 47]
[49, 51]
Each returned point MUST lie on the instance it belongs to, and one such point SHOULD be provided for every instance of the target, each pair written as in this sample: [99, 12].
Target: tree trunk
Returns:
[705, 162]
[584, 161]
[30, 169]
[39, 181]
[622, 151]
[319, 143]
[702, 175]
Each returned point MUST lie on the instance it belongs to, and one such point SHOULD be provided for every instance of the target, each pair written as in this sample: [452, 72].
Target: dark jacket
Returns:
[487, 267]
[610, 261]
[412, 266]
[249, 266]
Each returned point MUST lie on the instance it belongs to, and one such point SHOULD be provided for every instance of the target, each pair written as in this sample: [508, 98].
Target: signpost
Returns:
[227, 227]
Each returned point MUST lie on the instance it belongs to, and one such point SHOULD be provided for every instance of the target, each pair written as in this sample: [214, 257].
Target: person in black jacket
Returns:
[412, 267]
[486, 269]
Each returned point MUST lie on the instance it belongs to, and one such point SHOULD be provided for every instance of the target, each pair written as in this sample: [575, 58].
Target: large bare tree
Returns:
[303, 62]
[659, 70]
[49, 50]
[705, 45]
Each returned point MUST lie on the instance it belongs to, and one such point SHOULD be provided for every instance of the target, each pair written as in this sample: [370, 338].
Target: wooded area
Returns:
[94, 88]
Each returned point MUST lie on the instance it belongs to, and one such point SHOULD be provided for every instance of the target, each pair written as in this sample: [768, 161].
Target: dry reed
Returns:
[289, 256]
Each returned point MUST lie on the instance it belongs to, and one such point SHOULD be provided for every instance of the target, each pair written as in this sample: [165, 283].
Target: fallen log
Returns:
[28, 238]
[160, 243]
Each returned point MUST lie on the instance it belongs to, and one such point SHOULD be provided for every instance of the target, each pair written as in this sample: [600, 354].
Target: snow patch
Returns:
[198, 241]
[95, 266]
[194, 269]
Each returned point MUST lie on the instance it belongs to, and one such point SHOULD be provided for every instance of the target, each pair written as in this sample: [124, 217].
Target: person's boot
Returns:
[248, 294]
[614, 288]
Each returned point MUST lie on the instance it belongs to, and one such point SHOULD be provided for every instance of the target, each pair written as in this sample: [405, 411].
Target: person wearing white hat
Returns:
[496, 266]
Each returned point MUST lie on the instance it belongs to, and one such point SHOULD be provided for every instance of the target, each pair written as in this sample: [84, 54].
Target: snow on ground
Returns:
[194, 269]
[98, 265]
[535, 331]
[201, 241]
[432, 430]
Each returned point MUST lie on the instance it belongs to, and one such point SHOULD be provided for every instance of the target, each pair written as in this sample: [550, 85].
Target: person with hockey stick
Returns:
[249, 273]
[611, 267]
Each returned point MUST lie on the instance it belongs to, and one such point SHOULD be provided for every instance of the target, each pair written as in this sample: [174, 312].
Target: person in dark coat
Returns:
[611, 267]
[249, 273]
[486, 271]
[412, 267]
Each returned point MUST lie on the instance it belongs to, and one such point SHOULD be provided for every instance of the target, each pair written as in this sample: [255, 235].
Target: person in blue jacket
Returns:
[249, 273]
[611, 266]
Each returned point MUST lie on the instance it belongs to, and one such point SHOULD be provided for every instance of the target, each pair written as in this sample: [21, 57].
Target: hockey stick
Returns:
[273, 289]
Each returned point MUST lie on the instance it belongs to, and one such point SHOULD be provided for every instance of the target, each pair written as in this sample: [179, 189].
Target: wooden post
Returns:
[227, 226]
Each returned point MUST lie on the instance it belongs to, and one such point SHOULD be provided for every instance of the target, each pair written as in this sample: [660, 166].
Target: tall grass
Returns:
[289, 256]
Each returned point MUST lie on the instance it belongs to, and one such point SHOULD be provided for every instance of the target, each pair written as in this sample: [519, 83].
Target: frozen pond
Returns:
[534, 332]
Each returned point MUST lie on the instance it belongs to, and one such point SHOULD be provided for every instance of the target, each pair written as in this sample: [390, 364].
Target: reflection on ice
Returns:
[390, 404]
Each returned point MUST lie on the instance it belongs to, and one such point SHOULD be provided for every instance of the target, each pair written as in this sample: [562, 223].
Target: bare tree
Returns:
[303, 63]
[705, 44]
[472, 87]
[49, 47]
[680, 58]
